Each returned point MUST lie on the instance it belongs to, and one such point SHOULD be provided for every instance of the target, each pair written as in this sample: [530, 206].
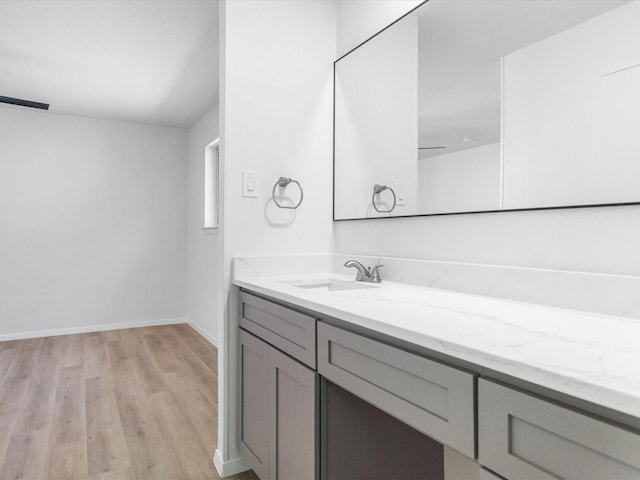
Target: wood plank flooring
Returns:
[129, 404]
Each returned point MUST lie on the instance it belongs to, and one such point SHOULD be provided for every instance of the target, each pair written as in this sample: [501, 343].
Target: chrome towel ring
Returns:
[377, 189]
[283, 182]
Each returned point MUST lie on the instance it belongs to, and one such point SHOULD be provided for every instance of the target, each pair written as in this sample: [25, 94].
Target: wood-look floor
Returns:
[127, 404]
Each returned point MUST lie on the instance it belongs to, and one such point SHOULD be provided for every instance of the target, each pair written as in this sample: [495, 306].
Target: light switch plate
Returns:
[401, 194]
[249, 184]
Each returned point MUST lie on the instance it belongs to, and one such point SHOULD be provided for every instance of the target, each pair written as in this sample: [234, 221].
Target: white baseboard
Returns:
[92, 328]
[213, 340]
[231, 467]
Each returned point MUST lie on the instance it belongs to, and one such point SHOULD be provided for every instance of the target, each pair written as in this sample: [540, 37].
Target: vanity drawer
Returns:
[521, 436]
[433, 398]
[290, 331]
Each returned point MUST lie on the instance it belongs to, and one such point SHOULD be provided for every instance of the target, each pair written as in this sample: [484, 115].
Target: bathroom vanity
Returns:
[459, 107]
[525, 391]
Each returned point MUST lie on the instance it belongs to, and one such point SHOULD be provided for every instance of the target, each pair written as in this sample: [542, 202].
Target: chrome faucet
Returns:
[365, 274]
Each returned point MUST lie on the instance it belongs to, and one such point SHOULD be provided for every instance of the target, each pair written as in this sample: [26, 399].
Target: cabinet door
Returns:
[521, 436]
[256, 419]
[278, 424]
[295, 433]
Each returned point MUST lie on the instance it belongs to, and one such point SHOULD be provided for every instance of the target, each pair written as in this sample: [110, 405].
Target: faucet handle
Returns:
[374, 273]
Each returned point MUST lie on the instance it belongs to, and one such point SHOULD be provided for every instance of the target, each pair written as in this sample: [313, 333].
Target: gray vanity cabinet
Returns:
[279, 396]
[515, 435]
[522, 436]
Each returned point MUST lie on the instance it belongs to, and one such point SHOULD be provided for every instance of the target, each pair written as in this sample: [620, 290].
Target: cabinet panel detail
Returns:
[296, 420]
[401, 383]
[290, 331]
[433, 398]
[256, 390]
[521, 436]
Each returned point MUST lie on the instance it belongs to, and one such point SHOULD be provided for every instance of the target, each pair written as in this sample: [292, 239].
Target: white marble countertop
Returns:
[589, 356]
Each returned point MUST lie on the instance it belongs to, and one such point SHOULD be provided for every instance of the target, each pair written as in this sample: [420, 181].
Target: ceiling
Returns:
[145, 61]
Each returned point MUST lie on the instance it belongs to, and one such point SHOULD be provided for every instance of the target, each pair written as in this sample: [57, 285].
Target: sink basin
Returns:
[329, 285]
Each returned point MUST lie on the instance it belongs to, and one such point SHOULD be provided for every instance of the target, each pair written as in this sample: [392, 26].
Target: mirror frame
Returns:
[527, 209]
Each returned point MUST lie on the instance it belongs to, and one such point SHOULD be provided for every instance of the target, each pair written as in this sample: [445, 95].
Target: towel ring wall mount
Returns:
[282, 183]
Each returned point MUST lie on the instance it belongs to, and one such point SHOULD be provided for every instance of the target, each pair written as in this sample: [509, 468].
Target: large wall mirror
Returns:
[490, 105]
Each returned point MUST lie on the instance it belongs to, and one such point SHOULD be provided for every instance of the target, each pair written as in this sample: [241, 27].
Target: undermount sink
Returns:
[329, 285]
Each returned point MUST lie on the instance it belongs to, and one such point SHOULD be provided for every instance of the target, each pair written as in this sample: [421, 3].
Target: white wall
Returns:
[202, 250]
[572, 110]
[276, 111]
[278, 121]
[461, 181]
[92, 222]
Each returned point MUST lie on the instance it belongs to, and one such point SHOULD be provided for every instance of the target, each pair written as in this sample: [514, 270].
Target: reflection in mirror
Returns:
[485, 105]
[376, 200]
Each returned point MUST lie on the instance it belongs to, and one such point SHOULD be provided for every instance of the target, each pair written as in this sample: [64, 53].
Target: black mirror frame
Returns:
[529, 209]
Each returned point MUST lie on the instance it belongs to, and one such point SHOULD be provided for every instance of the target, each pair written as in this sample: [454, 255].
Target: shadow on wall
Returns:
[279, 217]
